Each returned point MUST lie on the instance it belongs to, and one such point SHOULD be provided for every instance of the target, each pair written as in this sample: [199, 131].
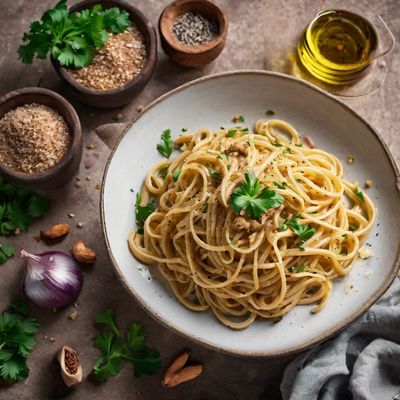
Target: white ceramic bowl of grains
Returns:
[40, 138]
[121, 68]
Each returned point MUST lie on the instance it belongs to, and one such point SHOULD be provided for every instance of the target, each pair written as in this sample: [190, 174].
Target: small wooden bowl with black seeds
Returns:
[193, 32]
[121, 95]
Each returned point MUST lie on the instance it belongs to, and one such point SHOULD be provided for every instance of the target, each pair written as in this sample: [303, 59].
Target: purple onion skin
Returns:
[53, 279]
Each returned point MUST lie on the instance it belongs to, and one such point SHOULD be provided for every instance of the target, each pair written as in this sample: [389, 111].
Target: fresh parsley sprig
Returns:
[167, 145]
[303, 231]
[18, 208]
[6, 251]
[71, 38]
[253, 198]
[142, 212]
[117, 350]
[17, 339]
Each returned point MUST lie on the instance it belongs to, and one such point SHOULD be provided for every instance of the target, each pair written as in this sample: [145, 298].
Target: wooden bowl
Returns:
[63, 171]
[187, 55]
[124, 94]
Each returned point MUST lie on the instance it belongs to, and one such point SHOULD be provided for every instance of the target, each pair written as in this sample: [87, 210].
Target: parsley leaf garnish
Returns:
[142, 212]
[17, 331]
[117, 350]
[164, 171]
[297, 268]
[303, 231]
[352, 227]
[360, 195]
[276, 144]
[232, 132]
[19, 207]
[254, 199]
[71, 38]
[175, 174]
[241, 118]
[167, 145]
[282, 186]
[6, 251]
[216, 175]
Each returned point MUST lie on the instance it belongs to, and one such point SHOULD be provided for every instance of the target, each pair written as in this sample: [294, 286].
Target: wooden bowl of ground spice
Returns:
[40, 138]
[193, 32]
[121, 68]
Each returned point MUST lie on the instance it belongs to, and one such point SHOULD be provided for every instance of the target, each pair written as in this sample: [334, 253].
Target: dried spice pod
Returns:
[56, 231]
[71, 368]
[177, 373]
[82, 253]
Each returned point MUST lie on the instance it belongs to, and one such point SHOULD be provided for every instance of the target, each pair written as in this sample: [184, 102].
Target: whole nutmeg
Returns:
[83, 254]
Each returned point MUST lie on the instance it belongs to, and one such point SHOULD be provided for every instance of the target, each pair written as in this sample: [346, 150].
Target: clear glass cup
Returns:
[347, 79]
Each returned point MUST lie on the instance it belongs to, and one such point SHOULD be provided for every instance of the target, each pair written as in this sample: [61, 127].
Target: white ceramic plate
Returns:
[211, 102]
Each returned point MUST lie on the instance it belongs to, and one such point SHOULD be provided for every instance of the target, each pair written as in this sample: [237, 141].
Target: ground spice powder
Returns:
[121, 58]
[33, 138]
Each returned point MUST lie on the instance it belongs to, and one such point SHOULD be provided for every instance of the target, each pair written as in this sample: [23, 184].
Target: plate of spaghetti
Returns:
[253, 226]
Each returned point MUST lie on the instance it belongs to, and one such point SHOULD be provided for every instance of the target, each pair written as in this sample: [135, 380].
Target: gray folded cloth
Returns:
[361, 363]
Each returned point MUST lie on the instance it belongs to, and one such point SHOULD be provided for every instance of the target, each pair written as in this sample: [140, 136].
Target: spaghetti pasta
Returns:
[244, 268]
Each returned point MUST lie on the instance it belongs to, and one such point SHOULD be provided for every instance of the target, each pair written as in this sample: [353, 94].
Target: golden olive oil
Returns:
[337, 46]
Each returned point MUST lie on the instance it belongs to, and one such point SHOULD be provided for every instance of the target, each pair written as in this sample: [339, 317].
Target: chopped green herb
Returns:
[241, 118]
[276, 144]
[288, 150]
[245, 130]
[6, 251]
[131, 190]
[249, 142]
[298, 180]
[232, 132]
[222, 128]
[297, 269]
[216, 175]
[254, 199]
[184, 129]
[117, 350]
[142, 212]
[270, 112]
[19, 207]
[283, 226]
[303, 231]
[360, 195]
[352, 227]
[228, 167]
[71, 37]
[299, 145]
[175, 174]
[167, 145]
[282, 186]
[301, 247]
[164, 171]
[17, 339]
[345, 235]
[205, 207]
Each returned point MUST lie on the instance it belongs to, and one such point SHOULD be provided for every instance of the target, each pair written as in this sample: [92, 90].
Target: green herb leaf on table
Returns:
[115, 350]
[6, 251]
[142, 212]
[253, 198]
[167, 145]
[71, 38]
[17, 331]
[19, 207]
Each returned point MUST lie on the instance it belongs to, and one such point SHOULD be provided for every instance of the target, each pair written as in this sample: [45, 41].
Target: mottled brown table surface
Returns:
[261, 33]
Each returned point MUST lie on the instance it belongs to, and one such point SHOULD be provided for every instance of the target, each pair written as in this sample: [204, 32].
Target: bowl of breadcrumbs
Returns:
[40, 138]
[121, 68]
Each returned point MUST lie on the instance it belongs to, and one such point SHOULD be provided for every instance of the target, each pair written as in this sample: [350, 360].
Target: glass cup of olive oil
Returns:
[339, 49]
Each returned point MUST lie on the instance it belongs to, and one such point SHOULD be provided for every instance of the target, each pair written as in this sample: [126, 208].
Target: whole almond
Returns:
[82, 253]
[184, 375]
[56, 231]
[177, 365]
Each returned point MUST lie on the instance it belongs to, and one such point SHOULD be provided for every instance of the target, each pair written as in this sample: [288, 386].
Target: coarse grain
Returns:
[33, 138]
[121, 58]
